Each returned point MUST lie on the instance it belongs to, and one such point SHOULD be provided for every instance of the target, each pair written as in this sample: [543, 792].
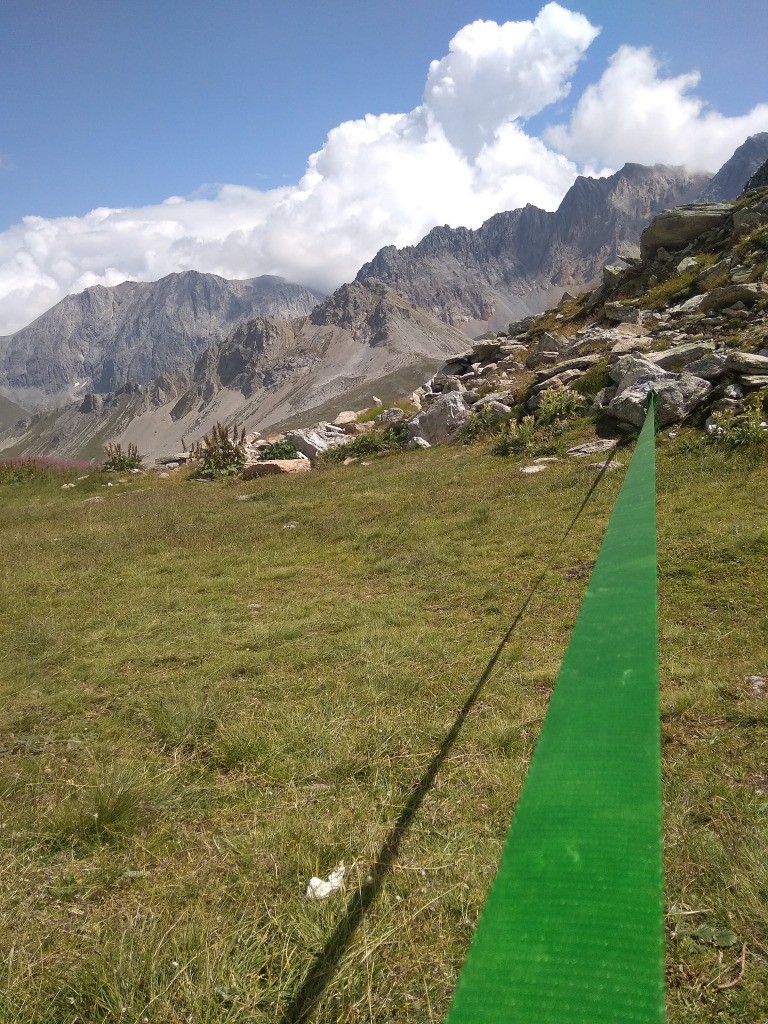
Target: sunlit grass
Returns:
[207, 700]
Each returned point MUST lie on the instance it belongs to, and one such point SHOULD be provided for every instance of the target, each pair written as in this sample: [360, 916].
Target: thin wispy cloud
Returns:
[464, 153]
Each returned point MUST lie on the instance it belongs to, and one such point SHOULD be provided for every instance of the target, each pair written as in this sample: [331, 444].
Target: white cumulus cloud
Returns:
[633, 113]
[463, 154]
[458, 158]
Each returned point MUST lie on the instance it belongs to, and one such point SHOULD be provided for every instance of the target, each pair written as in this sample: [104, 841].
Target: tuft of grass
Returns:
[107, 807]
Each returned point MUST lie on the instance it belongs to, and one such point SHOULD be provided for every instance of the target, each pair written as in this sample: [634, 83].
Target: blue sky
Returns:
[125, 104]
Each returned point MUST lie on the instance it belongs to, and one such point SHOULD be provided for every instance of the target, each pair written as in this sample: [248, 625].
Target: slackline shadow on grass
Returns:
[326, 963]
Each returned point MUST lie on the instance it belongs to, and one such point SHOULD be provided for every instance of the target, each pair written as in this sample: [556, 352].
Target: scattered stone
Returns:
[687, 263]
[710, 367]
[603, 398]
[629, 344]
[620, 312]
[390, 417]
[613, 464]
[68, 487]
[581, 451]
[679, 356]
[345, 417]
[314, 442]
[730, 294]
[418, 442]
[528, 470]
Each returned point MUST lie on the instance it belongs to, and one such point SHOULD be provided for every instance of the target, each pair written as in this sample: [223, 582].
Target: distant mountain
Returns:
[729, 181]
[266, 371]
[520, 262]
[759, 179]
[103, 337]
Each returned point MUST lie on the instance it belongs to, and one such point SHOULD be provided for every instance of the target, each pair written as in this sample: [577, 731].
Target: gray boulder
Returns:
[678, 357]
[730, 294]
[747, 362]
[389, 417]
[631, 367]
[314, 442]
[676, 396]
[620, 313]
[674, 229]
[440, 422]
[713, 366]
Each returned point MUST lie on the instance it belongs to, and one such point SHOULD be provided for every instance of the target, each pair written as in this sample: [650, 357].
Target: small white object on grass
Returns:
[322, 888]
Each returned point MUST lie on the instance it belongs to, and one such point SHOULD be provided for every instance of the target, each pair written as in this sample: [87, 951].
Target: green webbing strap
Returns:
[572, 929]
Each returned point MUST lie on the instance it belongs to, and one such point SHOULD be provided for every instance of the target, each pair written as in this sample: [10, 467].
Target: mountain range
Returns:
[103, 337]
[158, 363]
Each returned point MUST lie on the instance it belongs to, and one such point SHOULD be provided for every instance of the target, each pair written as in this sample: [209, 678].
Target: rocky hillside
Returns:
[522, 261]
[267, 370]
[687, 318]
[729, 181]
[103, 337]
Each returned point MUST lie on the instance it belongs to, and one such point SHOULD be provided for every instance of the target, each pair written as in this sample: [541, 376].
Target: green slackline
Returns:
[572, 930]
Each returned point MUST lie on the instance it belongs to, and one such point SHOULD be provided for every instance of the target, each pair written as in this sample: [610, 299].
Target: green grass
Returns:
[207, 700]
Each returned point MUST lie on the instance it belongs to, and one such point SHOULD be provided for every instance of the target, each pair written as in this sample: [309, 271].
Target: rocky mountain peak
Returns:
[103, 337]
[729, 181]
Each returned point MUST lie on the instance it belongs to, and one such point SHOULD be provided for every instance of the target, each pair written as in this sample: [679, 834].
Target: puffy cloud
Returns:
[633, 113]
[494, 74]
[459, 157]
[384, 179]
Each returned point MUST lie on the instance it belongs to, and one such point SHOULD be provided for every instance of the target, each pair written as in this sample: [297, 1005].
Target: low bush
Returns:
[120, 461]
[558, 405]
[376, 442]
[595, 379]
[279, 450]
[747, 430]
[220, 454]
[526, 437]
[482, 424]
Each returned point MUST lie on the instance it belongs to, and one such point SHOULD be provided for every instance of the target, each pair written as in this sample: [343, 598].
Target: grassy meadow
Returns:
[211, 692]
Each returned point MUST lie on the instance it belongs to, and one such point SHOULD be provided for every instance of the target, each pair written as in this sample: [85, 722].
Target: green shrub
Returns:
[482, 424]
[119, 461]
[595, 379]
[674, 289]
[526, 437]
[219, 454]
[748, 430]
[376, 442]
[279, 450]
[558, 404]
